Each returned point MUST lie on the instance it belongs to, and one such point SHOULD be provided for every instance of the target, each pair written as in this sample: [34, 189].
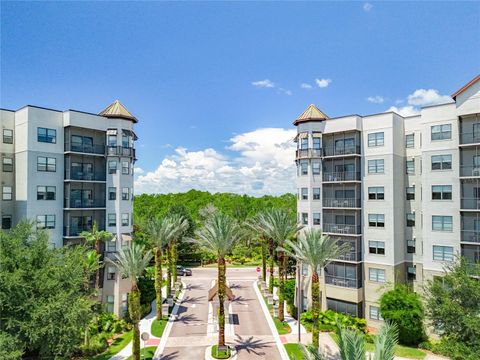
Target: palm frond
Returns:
[351, 343]
[312, 353]
[131, 261]
[386, 342]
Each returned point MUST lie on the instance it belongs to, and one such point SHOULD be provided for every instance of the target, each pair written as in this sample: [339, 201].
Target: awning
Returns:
[129, 133]
[316, 134]
[111, 131]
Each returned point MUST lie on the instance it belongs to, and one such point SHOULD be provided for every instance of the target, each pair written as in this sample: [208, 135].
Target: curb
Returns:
[233, 353]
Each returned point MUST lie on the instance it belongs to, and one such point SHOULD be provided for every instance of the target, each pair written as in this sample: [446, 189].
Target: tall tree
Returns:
[96, 237]
[316, 250]
[181, 226]
[218, 236]
[131, 263]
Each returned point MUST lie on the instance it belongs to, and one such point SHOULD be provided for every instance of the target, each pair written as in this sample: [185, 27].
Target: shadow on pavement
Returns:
[251, 345]
[191, 299]
[169, 356]
[187, 319]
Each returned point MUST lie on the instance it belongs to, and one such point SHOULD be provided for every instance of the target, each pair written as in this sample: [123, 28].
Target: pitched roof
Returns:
[117, 110]
[311, 113]
[466, 86]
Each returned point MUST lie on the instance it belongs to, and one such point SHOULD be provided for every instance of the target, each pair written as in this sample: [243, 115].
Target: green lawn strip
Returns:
[118, 344]
[146, 353]
[282, 326]
[221, 354]
[158, 326]
[294, 351]
[400, 350]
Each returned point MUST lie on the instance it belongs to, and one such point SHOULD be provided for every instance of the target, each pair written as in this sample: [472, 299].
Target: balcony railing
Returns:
[471, 236]
[91, 176]
[84, 203]
[76, 230]
[120, 151]
[85, 149]
[308, 153]
[469, 170]
[338, 151]
[338, 281]
[341, 176]
[470, 138]
[350, 257]
[342, 229]
[472, 203]
[341, 203]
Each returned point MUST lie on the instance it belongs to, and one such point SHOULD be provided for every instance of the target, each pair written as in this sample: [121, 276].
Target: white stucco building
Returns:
[66, 170]
[403, 191]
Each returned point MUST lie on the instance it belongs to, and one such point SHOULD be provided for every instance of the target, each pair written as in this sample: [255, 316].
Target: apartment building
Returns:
[66, 170]
[404, 192]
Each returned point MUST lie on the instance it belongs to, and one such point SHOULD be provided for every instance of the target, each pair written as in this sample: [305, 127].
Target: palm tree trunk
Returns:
[174, 262]
[264, 260]
[272, 264]
[316, 308]
[134, 309]
[158, 281]
[169, 270]
[97, 274]
[281, 284]
[221, 298]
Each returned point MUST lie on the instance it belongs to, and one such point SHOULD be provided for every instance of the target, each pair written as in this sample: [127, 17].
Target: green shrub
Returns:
[289, 291]
[328, 320]
[456, 350]
[427, 345]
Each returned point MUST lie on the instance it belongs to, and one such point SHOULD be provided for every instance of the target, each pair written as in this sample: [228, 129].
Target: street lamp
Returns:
[299, 299]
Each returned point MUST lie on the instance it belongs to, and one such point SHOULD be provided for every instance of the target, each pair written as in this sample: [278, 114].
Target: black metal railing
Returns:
[120, 151]
[84, 203]
[469, 138]
[81, 175]
[76, 230]
[98, 149]
[343, 282]
[470, 203]
[469, 170]
[342, 229]
[341, 150]
[341, 176]
[341, 203]
[351, 256]
[471, 236]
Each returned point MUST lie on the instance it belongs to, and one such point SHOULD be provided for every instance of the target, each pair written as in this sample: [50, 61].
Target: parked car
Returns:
[181, 271]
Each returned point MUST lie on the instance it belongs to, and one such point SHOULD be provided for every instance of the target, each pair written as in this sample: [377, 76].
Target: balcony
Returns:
[341, 176]
[469, 138]
[351, 256]
[84, 203]
[469, 171]
[308, 153]
[343, 282]
[470, 203]
[85, 176]
[341, 151]
[75, 230]
[471, 236]
[341, 203]
[342, 229]
[96, 149]
[120, 151]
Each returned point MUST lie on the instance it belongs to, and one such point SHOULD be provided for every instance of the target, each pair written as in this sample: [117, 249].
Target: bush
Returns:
[456, 350]
[403, 307]
[426, 345]
[289, 292]
[329, 318]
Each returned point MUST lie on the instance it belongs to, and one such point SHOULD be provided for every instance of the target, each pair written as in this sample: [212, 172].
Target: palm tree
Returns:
[218, 236]
[131, 263]
[181, 226]
[279, 225]
[316, 250]
[160, 232]
[96, 237]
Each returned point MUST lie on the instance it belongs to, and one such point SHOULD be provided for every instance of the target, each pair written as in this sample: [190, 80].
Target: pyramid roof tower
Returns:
[117, 110]
[311, 113]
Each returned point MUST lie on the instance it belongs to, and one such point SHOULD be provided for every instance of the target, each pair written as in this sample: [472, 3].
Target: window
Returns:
[6, 222]
[304, 194]
[111, 245]
[442, 223]
[376, 247]
[46, 222]
[7, 136]
[375, 139]
[344, 275]
[376, 220]
[410, 193]
[304, 143]
[442, 253]
[344, 146]
[303, 167]
[410, 140]
[46, 164]
[112, 220]
[125, 167]
[7, 164]
[305, 218]
[343, 307]
[316, 193]
[344, 194]
[316, 168]
[376, 193]
[316, 218]
[110, 303]
[46, 135]
[112, 167]
[377, 275]
[441, 162]
[112, 140]
[411, 273]
[124, 302]
[125, 219]
[112, 193]
[125, 141]
[442, 132]
[46, 192]
[410, 166]
[375, 313]
[316, 143]
[7, 193]
[411, 246]
[376, 166]
[410, 219]
[110, 273]
[441, 192]
[125, 193]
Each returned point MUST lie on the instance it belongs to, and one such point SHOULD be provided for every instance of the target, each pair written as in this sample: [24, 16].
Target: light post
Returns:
[299, 300]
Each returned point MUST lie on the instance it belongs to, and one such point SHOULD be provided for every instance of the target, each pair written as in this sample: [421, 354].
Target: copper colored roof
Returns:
[117, 110]
[213, 292]
[466, 86]
[311, 113]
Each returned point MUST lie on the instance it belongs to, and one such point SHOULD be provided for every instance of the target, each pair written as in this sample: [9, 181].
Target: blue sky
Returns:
[216, 85]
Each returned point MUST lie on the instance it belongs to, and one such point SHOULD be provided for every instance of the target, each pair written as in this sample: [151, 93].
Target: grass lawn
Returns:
[294, 351]
[282, 326]
[146, 353]
[118, 344]
[159, 326]
[221, 354]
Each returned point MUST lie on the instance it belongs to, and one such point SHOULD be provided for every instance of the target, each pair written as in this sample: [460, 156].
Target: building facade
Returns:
[404, 192]
[66, 170]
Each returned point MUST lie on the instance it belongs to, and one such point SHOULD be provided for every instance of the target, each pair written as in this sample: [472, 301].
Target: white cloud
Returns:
[405, 110]
[376, 99]
[263, 163]
[263, 83]
[305, 86]
[323, 83]
[138, 171]
[418, 99]
[367, 7]
[285, 91]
